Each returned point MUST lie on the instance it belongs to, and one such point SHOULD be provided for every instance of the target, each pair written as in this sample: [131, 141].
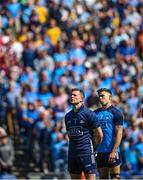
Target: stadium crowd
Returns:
[48, 47]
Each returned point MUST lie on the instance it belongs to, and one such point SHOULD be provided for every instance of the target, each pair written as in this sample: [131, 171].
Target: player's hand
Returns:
[112, 157]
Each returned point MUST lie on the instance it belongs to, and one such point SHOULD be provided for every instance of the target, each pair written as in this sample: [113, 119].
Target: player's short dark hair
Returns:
[104, 89]
[80, 90]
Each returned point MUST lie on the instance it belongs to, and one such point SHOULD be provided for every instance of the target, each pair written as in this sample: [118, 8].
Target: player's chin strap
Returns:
[115, 176]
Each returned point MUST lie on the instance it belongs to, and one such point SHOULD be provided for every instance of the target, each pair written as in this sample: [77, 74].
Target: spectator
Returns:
[6, 153]
[131, 157]
[53, 32]
[139, 148]
[11, 100]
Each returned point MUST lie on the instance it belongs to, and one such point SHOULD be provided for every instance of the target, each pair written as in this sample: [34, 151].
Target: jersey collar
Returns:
[81, 107]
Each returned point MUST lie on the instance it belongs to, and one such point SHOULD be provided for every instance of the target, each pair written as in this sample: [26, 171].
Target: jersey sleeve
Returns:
[118, 116]
[92, 120]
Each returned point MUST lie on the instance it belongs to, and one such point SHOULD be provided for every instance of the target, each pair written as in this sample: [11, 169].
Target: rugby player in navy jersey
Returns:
[85, 135]
[111, 121]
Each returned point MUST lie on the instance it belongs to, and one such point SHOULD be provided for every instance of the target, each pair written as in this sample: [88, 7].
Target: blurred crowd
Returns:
[48, 47]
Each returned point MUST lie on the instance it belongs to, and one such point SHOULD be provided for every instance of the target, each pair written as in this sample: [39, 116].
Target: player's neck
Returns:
[77, 106]
[107, 106]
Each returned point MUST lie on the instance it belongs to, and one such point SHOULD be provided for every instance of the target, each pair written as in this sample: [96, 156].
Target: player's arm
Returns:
[97, 131]
[97, 137]
[118, 138]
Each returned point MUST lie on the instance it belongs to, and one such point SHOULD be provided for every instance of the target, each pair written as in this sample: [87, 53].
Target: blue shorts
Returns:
[102, 160]
[83, 163]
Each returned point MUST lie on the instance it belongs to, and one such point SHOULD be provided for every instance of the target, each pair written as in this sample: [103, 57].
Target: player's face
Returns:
[104, 98]
[76, 97]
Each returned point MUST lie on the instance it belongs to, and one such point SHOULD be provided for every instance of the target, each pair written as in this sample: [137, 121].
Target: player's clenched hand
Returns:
[112, 157]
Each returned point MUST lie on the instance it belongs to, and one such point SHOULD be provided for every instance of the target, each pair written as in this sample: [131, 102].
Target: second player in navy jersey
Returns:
[111, 121]
[85, 134]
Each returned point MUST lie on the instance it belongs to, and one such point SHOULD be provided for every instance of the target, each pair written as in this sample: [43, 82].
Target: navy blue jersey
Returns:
[80, 126]
[108, 119]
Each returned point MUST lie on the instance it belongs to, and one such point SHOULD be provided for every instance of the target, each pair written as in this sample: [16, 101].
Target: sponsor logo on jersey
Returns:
[76, 131]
